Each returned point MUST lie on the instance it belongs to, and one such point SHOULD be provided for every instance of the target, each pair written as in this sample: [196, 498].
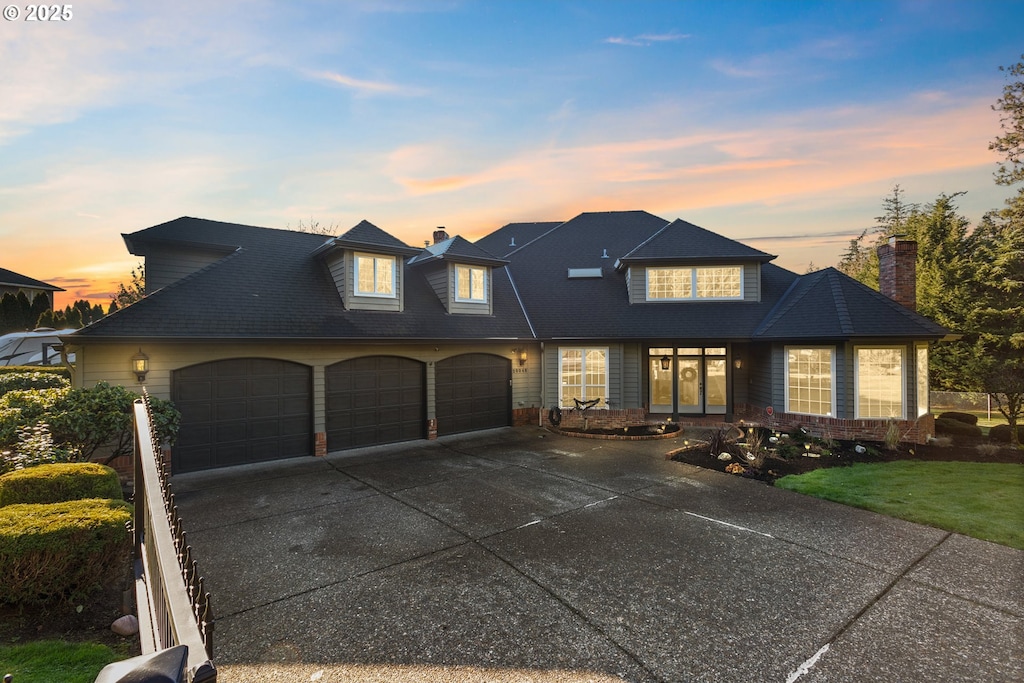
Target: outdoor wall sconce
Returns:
[140, 365]
[666, 362]
[520, 356]
[738, 363]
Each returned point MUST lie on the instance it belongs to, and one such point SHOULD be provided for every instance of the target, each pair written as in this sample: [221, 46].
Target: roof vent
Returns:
[604, 253]
[580, 273]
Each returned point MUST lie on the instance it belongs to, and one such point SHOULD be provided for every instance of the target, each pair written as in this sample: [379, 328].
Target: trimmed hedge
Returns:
[58, 482]
[966, 418]
[1002, 433]
[63, 551]
[945, 425]
[11, 381]
[58, 370]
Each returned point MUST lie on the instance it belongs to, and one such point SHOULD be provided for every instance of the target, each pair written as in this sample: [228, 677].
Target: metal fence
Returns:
[174, 607]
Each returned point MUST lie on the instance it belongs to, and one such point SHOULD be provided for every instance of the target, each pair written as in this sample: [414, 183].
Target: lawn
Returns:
[982, 500]
[45, 661]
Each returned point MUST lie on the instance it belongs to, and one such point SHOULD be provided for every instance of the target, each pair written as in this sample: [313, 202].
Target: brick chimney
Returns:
[897, 271]
[440, 235]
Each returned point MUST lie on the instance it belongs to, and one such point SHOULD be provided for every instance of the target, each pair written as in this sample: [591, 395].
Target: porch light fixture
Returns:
[666, 362]
[140, 365]
[520, 356]
[738, 363]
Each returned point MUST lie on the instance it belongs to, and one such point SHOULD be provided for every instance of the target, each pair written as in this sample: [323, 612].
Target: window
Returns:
[809, 373]
[922, 381]
[879, 379]
[375, 275]
[470, 283]
[584, 375]
[673, 284]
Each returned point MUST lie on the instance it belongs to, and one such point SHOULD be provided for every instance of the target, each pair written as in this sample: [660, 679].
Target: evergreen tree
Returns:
[40, 304]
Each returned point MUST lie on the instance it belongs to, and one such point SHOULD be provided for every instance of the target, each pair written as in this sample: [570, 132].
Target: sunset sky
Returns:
[781, 124]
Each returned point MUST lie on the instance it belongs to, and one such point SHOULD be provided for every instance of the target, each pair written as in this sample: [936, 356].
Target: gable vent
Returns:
[580, 273]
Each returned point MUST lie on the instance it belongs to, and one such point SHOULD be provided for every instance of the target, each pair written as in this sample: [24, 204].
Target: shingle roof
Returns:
[274, 286]
[827, 304]
[682, 241]
[367, 235]
[457, 249]
[510, 237]
[11, 279]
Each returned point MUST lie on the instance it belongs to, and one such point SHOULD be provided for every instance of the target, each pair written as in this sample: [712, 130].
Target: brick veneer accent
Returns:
[320, 444]
[432, 429]
[912, 431]
[603, 419]
[523, 417]
[897, 271]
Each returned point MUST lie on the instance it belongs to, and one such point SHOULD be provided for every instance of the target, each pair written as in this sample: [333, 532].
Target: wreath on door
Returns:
[689, 374]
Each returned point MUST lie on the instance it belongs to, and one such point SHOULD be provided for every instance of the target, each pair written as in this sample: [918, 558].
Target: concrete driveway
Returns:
[520, 555]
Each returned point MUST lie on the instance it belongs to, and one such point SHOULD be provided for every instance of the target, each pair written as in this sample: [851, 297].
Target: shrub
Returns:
[32, 379]
[988, 449]
[966, 418]
[35, 447]
[24, 408]
[58, 370]
[945, 425]
[62, 550]
[1002, 433]
[59, 482]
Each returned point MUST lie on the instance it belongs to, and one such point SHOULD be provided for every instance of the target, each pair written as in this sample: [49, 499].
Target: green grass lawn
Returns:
[983, 500]
[46, 661]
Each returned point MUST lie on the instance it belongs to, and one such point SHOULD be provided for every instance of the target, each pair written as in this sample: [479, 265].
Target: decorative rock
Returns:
[860, 449]
[724, 457]
[125, 626]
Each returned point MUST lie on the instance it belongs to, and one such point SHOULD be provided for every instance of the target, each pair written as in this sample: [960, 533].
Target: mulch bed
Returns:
[60, 620]
[845, 454]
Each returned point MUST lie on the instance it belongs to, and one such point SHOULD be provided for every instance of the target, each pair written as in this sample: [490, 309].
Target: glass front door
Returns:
[700, 382]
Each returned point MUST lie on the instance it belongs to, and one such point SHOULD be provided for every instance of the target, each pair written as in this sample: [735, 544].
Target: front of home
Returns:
[281, 344]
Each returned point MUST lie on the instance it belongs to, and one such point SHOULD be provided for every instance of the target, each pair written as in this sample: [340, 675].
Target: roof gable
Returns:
[367, 236]
[682, 241]
[9, 278]
[457, 249]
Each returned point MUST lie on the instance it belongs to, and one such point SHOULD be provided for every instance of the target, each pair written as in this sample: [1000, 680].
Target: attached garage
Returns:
[375, 400]
[473, 391]
[240, 411]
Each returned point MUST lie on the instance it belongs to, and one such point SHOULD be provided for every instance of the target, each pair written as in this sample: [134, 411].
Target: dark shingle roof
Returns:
[273, 286]
[11, 279]
[682, 241]
[457, 249]
[827, 304]
[366, 235]
[510, 237]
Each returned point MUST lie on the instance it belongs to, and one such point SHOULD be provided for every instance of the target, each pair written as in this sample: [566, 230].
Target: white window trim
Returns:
[375, 257]
[583, 371]
[693, 284]
[924, 406]
[470, 269]
[786, 351]
[903, 381]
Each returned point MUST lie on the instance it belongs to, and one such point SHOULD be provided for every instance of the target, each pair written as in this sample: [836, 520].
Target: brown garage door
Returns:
[473, 391]
[374, 400]
[241, 410]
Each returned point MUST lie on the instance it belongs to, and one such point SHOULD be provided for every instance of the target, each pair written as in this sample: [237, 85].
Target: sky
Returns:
[780, 124]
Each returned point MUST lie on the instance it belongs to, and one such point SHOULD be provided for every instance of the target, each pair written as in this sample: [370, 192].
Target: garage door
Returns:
[241, 410]
[374, 400]
[473, 391]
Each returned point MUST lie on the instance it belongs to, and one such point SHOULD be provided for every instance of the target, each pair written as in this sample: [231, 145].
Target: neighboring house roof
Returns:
[275, 284]
[8, 278]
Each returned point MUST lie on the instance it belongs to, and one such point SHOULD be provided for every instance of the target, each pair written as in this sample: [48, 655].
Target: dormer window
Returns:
[471, 283]
[375, 275]
[694, 282]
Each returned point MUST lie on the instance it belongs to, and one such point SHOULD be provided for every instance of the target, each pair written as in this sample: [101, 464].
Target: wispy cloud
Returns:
[646, 39]
[365, 87]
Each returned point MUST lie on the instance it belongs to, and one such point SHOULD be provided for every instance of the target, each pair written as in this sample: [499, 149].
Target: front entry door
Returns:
[700, 382]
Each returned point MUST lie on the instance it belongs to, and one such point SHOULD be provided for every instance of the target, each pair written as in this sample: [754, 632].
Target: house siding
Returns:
[166, 264]
[636, 282]
[468, 307]
[372, 303]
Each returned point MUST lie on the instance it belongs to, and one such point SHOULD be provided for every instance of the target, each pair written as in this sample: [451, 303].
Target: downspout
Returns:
[540, 413]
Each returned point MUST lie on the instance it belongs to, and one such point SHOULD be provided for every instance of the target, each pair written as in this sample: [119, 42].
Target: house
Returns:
[283, 344]
[15, 283]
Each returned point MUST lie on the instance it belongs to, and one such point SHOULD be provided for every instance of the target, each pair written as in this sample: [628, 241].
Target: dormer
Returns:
[685, 263]
[368, 266]
[460, 273]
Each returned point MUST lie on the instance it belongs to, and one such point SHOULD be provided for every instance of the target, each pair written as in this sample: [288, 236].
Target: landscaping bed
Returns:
[833, 454]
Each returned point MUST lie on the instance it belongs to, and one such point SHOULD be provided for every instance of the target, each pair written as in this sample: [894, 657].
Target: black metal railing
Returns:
[173, 604]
